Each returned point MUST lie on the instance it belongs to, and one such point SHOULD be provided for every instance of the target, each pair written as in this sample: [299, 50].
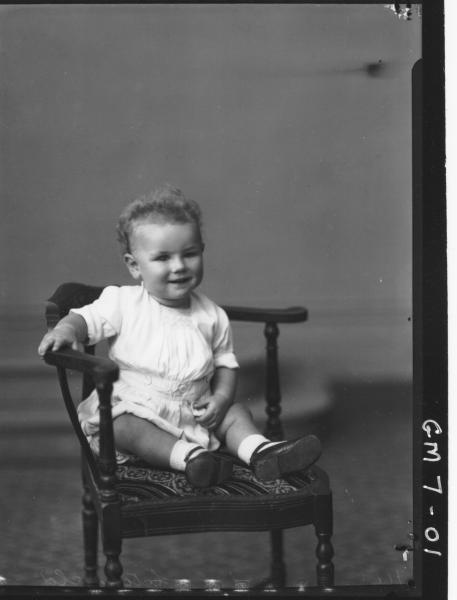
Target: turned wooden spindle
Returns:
[324, 548]
[113, 570]
[90, 537]
[273, 429]
[112, 540]
[107, 453]
[324, 568]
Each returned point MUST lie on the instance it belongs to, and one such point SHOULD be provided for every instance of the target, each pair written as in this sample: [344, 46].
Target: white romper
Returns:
[166, 357]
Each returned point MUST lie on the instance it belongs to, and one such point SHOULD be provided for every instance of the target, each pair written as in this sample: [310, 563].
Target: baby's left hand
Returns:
[210, 411]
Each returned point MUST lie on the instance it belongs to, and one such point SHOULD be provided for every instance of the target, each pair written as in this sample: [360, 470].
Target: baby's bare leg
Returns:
[236, 426]
[143, 438]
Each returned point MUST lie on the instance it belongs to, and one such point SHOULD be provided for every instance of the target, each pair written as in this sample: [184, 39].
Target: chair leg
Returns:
[112, 546]
[324, 569]
[278, 568]
[90, 537]
[324, 549]
[113, 570]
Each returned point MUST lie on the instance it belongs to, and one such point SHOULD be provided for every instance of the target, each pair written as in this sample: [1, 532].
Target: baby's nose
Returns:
[177, 264]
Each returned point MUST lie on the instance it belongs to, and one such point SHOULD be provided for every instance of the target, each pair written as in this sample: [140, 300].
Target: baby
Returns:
[174, 402]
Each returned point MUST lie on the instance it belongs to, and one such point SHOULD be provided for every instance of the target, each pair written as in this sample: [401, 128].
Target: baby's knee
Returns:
[131, 433]
[239, 411]
[236, 413]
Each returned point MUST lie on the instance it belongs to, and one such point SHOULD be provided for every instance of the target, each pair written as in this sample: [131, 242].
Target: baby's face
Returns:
[168, 257]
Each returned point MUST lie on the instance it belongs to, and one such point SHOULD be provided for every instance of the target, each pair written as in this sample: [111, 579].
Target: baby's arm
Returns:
[223, 385]
[68, 332]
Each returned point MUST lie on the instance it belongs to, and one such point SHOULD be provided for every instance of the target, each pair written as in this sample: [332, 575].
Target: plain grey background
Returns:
[268, 115]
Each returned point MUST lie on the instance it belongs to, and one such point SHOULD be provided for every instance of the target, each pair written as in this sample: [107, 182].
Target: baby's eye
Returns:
[191, 253]
[161, 257]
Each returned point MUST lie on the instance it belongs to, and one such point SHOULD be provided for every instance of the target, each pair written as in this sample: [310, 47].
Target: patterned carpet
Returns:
[366, 433]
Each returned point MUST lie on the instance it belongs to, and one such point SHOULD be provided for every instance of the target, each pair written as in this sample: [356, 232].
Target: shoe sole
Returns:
[301, 455]
[206, 471]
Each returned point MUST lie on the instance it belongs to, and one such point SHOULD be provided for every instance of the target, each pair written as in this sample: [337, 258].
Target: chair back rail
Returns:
[71, 409]
[74, 295]
[103, 372]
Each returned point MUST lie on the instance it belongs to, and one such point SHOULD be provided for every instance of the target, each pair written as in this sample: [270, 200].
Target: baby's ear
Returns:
[132, 266]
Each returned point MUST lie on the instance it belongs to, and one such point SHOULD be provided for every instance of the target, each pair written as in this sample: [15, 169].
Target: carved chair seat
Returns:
[135, 500]
[150, 498]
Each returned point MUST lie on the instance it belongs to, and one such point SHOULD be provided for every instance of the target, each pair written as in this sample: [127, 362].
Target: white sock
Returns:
[250, 444]
[179, 452]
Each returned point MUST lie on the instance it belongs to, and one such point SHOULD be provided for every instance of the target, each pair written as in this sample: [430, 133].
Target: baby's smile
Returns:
[180, 280]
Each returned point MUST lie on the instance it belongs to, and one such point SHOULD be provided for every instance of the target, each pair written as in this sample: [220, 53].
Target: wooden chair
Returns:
[135, 500]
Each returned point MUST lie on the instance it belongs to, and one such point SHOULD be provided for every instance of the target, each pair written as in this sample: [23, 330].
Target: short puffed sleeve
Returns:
[104, 316]
[223, 352]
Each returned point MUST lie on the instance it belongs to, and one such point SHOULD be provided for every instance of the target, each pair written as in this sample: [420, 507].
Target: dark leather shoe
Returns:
[285, 457]
[207, 469]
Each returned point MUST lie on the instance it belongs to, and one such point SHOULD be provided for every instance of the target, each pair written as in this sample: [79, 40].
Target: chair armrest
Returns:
[103, 373]
[102, 370]
[294, 314]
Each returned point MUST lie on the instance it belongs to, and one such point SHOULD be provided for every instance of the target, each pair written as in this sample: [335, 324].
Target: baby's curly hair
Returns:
[165, 204]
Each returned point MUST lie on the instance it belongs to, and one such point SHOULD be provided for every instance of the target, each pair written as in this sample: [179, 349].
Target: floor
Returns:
[365, 428]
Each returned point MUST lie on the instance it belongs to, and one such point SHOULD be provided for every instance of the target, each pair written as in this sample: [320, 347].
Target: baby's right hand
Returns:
[61, 335]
